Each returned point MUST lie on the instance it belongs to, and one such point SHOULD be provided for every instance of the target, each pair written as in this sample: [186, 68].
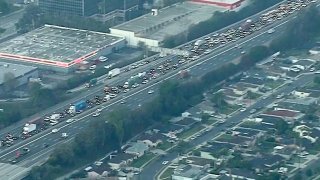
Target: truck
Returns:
[91, 83]
[29, 128]
[77, 107]
[126, 85]
[246, 25]
[198, 43]
[114, 72]
[270, 31]
[55, 117]
[142, 74]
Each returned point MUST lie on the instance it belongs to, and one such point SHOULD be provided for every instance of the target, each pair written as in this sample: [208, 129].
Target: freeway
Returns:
[90, 93]
[38, 153]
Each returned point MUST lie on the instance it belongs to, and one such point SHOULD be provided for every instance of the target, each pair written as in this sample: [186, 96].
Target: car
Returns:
[96, 114]
[45, 145]
[122, 102]
[55, 130]
[243, 109]
[243, 52]
[150, 91]
[165, 162]
[99, 110]
[252, 111]
[70, 120]
[93, 67]
[312, 69]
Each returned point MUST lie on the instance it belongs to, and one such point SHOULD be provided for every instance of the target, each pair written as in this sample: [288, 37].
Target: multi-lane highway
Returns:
[137, 96]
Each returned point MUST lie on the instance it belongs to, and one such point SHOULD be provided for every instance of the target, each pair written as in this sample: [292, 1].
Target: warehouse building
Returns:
[21, 75]
[228, 4]
[153, 28]
[58, 49]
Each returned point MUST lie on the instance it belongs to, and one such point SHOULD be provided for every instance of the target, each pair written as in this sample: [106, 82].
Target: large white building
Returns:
[153, 28]
[57, 48]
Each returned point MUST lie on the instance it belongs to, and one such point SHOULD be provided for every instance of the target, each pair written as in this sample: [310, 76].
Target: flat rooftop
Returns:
[170, 21]
[54, 43]
[16, 69]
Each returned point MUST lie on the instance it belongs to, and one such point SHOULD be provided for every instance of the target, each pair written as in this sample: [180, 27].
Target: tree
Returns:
[218, 100]
[205, 117]
[10, 82]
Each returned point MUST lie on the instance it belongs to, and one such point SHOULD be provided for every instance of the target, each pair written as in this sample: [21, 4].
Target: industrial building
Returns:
[69, 7]
[58, 49]
[228, 4]
[153, 28]
[21, 73]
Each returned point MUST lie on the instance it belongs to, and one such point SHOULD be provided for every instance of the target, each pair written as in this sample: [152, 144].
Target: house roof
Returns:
[186, 121]
[282, 113]
[121, 158]
[153, 137]
[138, 148]
[266, 160]
[188, 171]
[302, 101]
[252, 80]
[199, 161]
[270, 119]
[247, 132]
[242, 172]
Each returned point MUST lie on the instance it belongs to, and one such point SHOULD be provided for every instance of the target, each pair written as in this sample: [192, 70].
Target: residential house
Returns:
[198, 161]
[121, 160]
[286, 114]
[266, 162]
[137, 149]
[306, 132]
[250, 87]
[254, 81]
[300, 93]
[214, 146]
[151, 139]
[187, 172]
[238, 174]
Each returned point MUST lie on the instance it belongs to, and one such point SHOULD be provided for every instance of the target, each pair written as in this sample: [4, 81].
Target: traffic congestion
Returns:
[197, 49]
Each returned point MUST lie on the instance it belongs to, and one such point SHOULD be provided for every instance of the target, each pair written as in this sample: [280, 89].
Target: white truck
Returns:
[106, 98]
[55, 117]
[114, 72]
[142, 74]
[29, 128]
[270, 31]
[126, 85]
[198, 43]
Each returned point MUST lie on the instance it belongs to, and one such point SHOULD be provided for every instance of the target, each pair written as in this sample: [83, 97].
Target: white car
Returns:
[243, 52]
[99, 110]
[93, 67]
[243, 109]
[70, 120]
[165, 162]
[150, 91]
[96, 114]
[55, 130]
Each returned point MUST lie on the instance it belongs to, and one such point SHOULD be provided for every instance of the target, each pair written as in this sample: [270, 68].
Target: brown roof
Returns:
[282, 113]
